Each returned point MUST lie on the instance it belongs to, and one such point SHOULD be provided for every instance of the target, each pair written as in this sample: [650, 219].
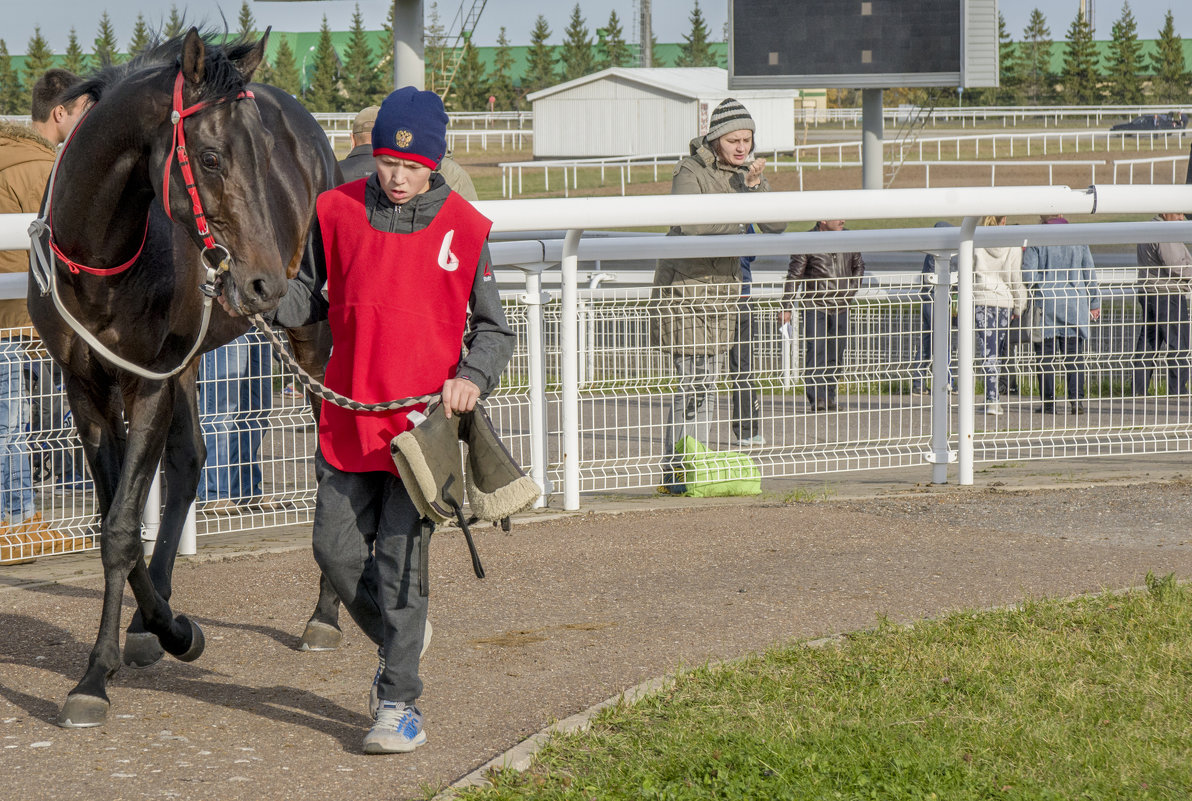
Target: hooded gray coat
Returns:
[697, 296]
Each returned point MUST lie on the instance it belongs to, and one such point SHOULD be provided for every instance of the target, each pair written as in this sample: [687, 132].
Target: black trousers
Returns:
[825, 336]
[1165, 325]
[1063, 354]
[746, 405]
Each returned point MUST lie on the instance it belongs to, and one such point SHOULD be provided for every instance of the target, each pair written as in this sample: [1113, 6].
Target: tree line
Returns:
[1119, 75]
[325, 79]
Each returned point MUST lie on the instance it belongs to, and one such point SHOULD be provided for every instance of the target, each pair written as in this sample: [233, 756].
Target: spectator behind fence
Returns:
[745, 405]
[922, 371]
[1065, 287]
[828, 282]
[1165, 276]
[26, 158]
[697, 296]
[235, 396]
[999, 295]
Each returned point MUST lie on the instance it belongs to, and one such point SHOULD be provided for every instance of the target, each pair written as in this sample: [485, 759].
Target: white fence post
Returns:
[568, 345]
[941, 365]
[964, 350]
[151, 516]
[536, 357]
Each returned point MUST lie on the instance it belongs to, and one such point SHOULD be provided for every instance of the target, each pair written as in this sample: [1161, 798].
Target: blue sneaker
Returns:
[398, 729]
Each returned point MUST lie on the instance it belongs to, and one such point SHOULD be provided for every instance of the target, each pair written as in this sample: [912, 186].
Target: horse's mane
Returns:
[221, 78]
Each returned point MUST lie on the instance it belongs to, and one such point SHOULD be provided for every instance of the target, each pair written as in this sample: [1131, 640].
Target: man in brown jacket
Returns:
[829, 282]
[26, 157]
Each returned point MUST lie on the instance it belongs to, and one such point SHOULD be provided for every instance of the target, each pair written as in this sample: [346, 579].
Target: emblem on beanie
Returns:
[403, 138]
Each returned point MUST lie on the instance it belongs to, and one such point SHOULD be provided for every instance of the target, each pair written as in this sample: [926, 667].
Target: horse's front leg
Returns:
[322, 630]
[149, 413]
[182, 461]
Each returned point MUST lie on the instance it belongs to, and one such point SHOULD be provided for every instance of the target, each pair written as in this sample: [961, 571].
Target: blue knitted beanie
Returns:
[411, 125]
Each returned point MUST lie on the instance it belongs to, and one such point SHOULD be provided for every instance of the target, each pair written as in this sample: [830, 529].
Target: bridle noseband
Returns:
[177, 114]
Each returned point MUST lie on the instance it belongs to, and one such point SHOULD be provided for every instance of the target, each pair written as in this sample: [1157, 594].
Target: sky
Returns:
[670, 17]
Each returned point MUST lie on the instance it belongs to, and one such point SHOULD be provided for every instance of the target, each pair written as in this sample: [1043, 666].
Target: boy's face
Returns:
[401, 179]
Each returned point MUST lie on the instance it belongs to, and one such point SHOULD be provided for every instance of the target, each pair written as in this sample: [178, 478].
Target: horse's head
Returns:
[220, 144]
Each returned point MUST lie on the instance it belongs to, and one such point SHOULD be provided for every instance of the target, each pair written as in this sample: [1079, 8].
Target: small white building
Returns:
[637, 111]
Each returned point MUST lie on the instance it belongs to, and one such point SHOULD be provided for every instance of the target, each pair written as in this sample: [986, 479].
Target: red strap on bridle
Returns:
[177, 115]
[178, 146]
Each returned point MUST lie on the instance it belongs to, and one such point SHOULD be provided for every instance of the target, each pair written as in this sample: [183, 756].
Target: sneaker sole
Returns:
[376, 747]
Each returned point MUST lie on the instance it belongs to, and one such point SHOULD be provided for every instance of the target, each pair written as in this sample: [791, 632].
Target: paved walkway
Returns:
[576, 608]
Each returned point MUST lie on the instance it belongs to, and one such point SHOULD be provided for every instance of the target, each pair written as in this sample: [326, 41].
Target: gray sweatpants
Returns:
[368, 543]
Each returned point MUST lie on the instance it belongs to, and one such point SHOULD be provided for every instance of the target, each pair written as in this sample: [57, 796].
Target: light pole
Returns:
[305, 83]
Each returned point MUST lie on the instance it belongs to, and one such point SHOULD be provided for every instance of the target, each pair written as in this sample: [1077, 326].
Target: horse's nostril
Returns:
[260, 289]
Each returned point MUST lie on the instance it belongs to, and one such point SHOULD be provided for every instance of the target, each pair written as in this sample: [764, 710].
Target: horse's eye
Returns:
[209, 160]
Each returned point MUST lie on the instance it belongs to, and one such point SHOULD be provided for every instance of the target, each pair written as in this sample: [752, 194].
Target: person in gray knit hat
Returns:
[703, 305]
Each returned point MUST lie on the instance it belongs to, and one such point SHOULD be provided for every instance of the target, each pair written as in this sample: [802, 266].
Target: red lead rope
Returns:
[179, 146]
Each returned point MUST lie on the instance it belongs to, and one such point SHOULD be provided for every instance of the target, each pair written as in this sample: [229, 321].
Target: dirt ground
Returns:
[574, 610]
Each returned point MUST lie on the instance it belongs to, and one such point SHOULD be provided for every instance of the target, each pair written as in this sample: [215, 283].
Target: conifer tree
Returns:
[359, 74]
[615, 50]
[248, 25]
[695, 51]
[501, 82]
[140, 36]
[1168, 66]
[38, 59]
[576, 58]
[1036, 58]
[174, 24]
[435, 53]
[283, 72]
[470, 88]
[105, 43]
[1124, 63]
[12, 94]
[75, 59]
[1009, 66]
[384, 67]
[1079, 72]
[540, 59]
[323, 93]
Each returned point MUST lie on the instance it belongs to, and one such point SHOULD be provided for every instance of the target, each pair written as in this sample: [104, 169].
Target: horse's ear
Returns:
[194, 53]
[252, 59]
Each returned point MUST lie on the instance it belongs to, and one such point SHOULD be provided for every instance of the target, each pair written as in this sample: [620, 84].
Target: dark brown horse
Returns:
[135, 248]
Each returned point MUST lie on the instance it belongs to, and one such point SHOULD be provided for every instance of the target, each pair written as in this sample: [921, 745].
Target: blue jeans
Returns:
[992, 328]
[235, 396]
[16, 465]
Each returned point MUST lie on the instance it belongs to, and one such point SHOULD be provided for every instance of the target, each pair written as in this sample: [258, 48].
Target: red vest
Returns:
[398, 307]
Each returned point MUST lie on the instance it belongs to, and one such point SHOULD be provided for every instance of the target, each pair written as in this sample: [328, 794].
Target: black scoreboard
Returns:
[862, 43]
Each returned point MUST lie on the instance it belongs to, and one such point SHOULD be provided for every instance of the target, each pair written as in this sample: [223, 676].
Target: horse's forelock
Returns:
[221, 77]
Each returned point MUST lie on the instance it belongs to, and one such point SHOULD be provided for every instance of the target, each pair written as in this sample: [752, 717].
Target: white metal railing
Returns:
[1174, 161]
[564, 392]
[819, 156]
[1008, 115]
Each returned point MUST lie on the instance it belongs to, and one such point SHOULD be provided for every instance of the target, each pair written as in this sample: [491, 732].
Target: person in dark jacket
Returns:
[399, 265]
[828, 282]
[1164, 275]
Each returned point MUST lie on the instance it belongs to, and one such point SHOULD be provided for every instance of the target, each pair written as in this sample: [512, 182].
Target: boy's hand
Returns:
[459, 395]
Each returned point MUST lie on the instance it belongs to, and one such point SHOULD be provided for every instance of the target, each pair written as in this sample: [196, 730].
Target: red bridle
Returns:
[178, 147]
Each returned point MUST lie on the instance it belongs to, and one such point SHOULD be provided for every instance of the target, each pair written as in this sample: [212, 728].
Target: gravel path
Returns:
[574, 610]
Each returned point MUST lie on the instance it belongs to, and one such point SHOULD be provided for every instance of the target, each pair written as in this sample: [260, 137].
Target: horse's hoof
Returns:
[197, 641]
[142, 649]
[83, 712]
[320, 637]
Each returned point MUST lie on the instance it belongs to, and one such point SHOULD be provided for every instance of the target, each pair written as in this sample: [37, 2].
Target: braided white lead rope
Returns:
[329, 395]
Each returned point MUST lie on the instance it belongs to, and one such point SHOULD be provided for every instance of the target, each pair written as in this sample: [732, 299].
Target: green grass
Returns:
[1085, 699]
